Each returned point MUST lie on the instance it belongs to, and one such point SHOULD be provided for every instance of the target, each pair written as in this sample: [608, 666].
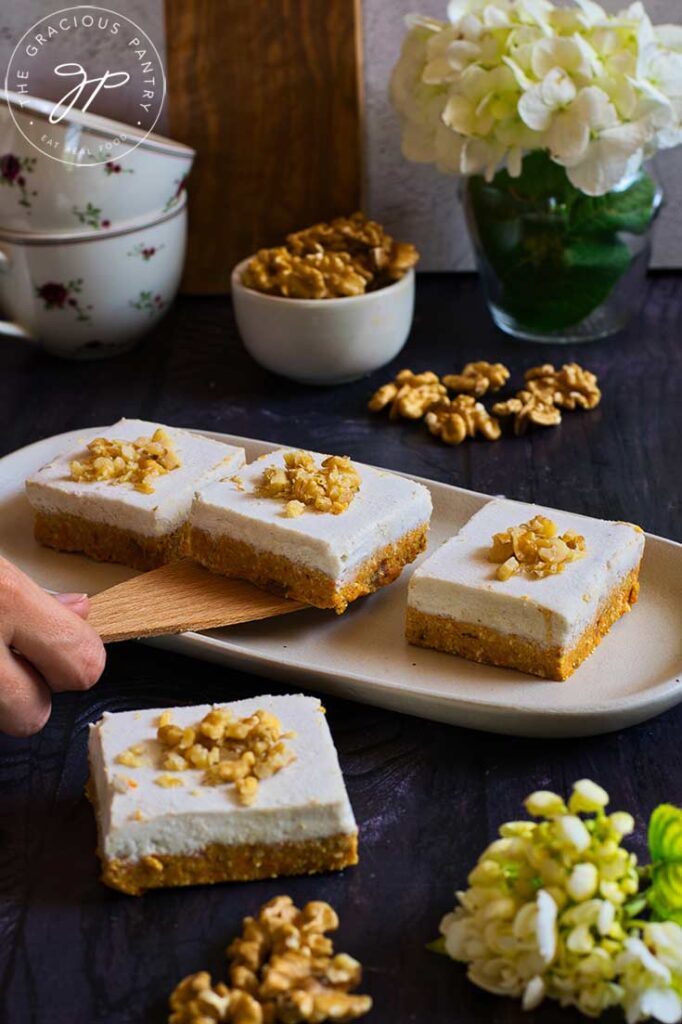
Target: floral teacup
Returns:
[89, 296]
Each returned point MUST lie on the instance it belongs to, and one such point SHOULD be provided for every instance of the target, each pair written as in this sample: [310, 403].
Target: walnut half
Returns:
[571, 387]
[282, 968]
[452, 420]
[528, 408]
[478, 378]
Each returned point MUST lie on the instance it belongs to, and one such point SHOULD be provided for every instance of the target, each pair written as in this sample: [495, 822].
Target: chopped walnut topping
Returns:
[282, 969]
[454, 420]
[236, 751]
[535, 548]
[571, 387]
[529, 408]
[135, 462]
[133, 757]
[300, 482]
[123, 783]
[478, 378]
[410, 395]
[168, 781]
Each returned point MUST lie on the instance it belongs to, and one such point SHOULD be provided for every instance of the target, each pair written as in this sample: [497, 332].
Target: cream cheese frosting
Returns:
[51, 490]
[306, 800]
[459, 582]
[385, 509]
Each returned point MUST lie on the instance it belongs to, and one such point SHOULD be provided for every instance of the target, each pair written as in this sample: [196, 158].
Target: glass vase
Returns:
[557, 265]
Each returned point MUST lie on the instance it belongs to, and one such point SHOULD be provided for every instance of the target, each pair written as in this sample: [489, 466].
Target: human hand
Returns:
[46, 647]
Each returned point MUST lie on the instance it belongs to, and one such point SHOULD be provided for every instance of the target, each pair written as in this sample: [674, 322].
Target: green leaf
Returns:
[665, 846]
[437, 946]
[630, 210]
[665, 833]
[665, 894]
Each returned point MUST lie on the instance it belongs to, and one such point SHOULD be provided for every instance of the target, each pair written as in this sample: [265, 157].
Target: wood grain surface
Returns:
[427, 797]
[179, 597]
[268, 94]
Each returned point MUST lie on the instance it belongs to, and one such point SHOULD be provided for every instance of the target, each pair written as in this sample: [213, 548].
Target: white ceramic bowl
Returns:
[38, 193]
[89, 296]
[324, 341]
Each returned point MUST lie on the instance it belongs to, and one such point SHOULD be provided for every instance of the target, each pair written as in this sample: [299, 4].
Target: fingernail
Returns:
[71, 598]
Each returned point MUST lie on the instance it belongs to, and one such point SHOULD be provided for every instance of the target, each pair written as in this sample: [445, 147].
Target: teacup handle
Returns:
[9, 329]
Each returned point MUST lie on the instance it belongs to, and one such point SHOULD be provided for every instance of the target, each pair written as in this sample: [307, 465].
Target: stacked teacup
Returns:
[92, 236]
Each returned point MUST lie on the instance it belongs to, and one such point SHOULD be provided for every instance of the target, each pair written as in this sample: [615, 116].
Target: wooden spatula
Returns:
[178, 597]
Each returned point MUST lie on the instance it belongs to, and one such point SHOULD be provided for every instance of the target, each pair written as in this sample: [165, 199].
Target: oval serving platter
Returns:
[634, 674]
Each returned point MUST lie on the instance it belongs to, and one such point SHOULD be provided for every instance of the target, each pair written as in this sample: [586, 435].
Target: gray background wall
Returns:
[415, 202]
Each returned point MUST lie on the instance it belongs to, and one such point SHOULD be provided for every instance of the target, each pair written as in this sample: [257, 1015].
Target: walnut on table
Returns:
[282, 968]
[529, 408]
[478, 378]
[453, 420]
[571, 387]
[410, 395]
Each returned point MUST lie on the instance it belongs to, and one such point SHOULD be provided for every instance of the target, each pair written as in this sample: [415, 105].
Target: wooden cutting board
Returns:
[269, 95]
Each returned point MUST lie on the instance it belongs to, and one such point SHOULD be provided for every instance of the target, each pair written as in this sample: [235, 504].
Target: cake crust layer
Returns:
[489, 646]
[243, 863]
[235, 558]
[106, 543]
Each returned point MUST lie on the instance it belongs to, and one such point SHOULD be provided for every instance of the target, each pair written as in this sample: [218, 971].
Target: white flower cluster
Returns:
[545, 915]
[600, 93]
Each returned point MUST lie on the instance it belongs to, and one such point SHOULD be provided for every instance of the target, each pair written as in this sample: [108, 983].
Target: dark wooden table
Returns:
[428, 797]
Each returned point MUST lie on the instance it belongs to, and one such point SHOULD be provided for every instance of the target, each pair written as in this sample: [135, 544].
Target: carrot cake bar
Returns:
[321, 529]
[124, 497]
[526, 587]
[251, 789]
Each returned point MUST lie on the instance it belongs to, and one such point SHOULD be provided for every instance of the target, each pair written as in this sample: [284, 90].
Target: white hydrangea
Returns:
[545, 914]
[500, 78]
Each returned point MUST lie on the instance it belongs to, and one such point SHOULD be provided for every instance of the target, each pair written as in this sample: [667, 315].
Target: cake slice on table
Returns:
[321, 529]
[247, 790]
[526, 587]
[125, 495]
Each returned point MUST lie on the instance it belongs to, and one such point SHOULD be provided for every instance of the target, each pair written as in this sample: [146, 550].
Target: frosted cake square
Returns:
[543, 612]
[247, 790]
[321, 529]
[120, 503]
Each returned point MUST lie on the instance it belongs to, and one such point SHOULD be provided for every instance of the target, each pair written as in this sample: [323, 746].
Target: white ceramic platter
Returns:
[635, 673]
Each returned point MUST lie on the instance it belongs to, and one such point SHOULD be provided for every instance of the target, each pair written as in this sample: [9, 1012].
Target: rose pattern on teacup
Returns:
[63, 296]
[180, 184]
[146, 302]
[13, 171]
[145, 251]
[110, 167]
[91, 215]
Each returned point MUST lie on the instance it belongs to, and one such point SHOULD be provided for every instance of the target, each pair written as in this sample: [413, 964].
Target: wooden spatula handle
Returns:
[178, 597]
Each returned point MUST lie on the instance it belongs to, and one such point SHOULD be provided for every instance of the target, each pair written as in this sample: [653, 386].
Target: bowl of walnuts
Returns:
[332, 304]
